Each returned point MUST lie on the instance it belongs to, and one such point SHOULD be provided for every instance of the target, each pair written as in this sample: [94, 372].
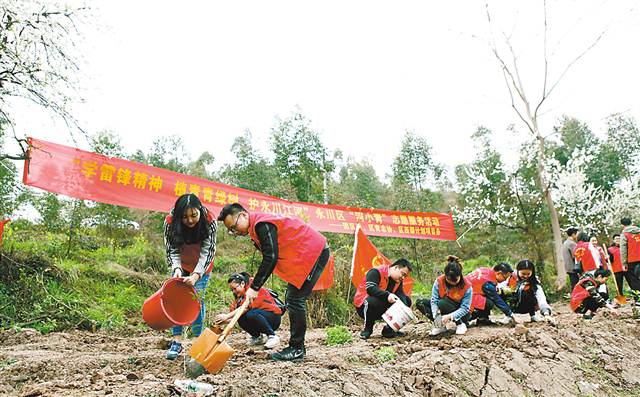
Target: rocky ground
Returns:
[574, 357]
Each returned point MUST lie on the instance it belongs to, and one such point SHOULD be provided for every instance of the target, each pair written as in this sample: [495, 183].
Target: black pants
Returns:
[258, 321]
[633, 276]
[588, 304]
[483, 313]
[448, 306]
[373, 308]
[526, 305]
[296, 300]
[573, 279]
[620, 276]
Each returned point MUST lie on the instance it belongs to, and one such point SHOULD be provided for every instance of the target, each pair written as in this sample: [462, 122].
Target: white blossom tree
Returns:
[529, 107]
[39, 57]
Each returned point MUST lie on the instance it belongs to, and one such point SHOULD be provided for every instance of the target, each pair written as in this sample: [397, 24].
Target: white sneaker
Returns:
[461, 329]
[437, 331]
[536, 318]
[256, 340]
[272, 341]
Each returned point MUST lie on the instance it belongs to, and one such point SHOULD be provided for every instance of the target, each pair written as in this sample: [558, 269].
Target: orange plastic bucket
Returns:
[176, 303]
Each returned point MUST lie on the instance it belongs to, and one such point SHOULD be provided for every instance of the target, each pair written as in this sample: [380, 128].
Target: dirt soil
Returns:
[575, 357]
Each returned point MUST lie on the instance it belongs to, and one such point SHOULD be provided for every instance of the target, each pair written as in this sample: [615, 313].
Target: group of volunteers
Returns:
[589, 265]
[298, 254]
[290, 248]
[463, 299]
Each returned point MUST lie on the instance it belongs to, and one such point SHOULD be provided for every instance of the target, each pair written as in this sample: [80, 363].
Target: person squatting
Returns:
[298, 254]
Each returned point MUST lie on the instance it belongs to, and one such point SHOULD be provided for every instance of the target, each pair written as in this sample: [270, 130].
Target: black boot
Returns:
[388, 332]
[366, 333]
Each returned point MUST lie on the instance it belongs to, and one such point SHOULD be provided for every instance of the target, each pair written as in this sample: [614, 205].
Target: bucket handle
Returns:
[229, 327]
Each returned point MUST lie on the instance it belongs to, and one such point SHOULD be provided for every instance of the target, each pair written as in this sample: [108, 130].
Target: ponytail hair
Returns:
[453, 269]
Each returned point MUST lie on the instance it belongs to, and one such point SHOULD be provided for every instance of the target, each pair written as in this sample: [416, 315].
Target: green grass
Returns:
[385, 354]
[338, 335]
[7, 362]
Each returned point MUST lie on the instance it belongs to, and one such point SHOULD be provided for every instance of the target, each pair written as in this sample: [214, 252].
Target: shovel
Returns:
[620, 299]
[210, 350]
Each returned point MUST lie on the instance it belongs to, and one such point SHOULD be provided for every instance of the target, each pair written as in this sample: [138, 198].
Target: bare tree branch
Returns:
[576, 59]
[546, 62]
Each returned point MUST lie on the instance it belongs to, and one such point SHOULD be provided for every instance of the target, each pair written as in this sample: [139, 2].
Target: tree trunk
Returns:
[553, 214]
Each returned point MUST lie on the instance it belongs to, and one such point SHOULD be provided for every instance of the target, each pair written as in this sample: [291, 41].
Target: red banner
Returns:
[367, 256]
[90, 176]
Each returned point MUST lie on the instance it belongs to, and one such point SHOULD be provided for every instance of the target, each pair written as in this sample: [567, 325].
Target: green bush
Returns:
[338, 335]
[51, 296]
[385, 354]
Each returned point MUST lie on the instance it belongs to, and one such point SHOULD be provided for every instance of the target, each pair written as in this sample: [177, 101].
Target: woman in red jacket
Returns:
[589, 256]
[262, 317]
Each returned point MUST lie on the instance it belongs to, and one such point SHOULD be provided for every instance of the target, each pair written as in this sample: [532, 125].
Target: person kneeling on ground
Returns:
[585, 298]
[451, 298]
[381, 287]
[484, 281]
[524, 293]
[262, 316]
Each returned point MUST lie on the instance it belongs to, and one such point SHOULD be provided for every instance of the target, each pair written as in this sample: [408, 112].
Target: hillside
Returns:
[575, 357]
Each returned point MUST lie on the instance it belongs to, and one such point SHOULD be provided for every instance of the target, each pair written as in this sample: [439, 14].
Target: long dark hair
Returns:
[526, 264]
[178, 233]
[453, 269]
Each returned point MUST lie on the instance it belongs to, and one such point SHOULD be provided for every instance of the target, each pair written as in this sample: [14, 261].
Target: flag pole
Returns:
[353, 260]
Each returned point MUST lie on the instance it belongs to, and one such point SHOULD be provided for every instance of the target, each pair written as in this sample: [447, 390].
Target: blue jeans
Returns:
[258, 321]
[196, 326]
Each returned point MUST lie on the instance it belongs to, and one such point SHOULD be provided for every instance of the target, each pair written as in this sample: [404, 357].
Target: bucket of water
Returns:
[176, 303]
[398, 315]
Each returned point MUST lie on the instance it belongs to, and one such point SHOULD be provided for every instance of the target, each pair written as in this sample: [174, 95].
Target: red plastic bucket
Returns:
[176, 303]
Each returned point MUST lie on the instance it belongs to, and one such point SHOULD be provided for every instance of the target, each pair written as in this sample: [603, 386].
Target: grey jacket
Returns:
[567, 255]
[623, 243]
[207, 248]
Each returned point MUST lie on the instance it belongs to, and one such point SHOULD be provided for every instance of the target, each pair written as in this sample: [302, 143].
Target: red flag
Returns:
[2, 222]
[326, 279]
[367, 256]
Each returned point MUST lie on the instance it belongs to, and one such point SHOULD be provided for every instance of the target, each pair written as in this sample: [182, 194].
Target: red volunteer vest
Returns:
[477, 278]
[580, 293]
[263, 301]
[582, 254]
[455, 293]
[361, 292]
[299, 246]
[616, 265]
[633, 247]
[190, 253]
[513, 280]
